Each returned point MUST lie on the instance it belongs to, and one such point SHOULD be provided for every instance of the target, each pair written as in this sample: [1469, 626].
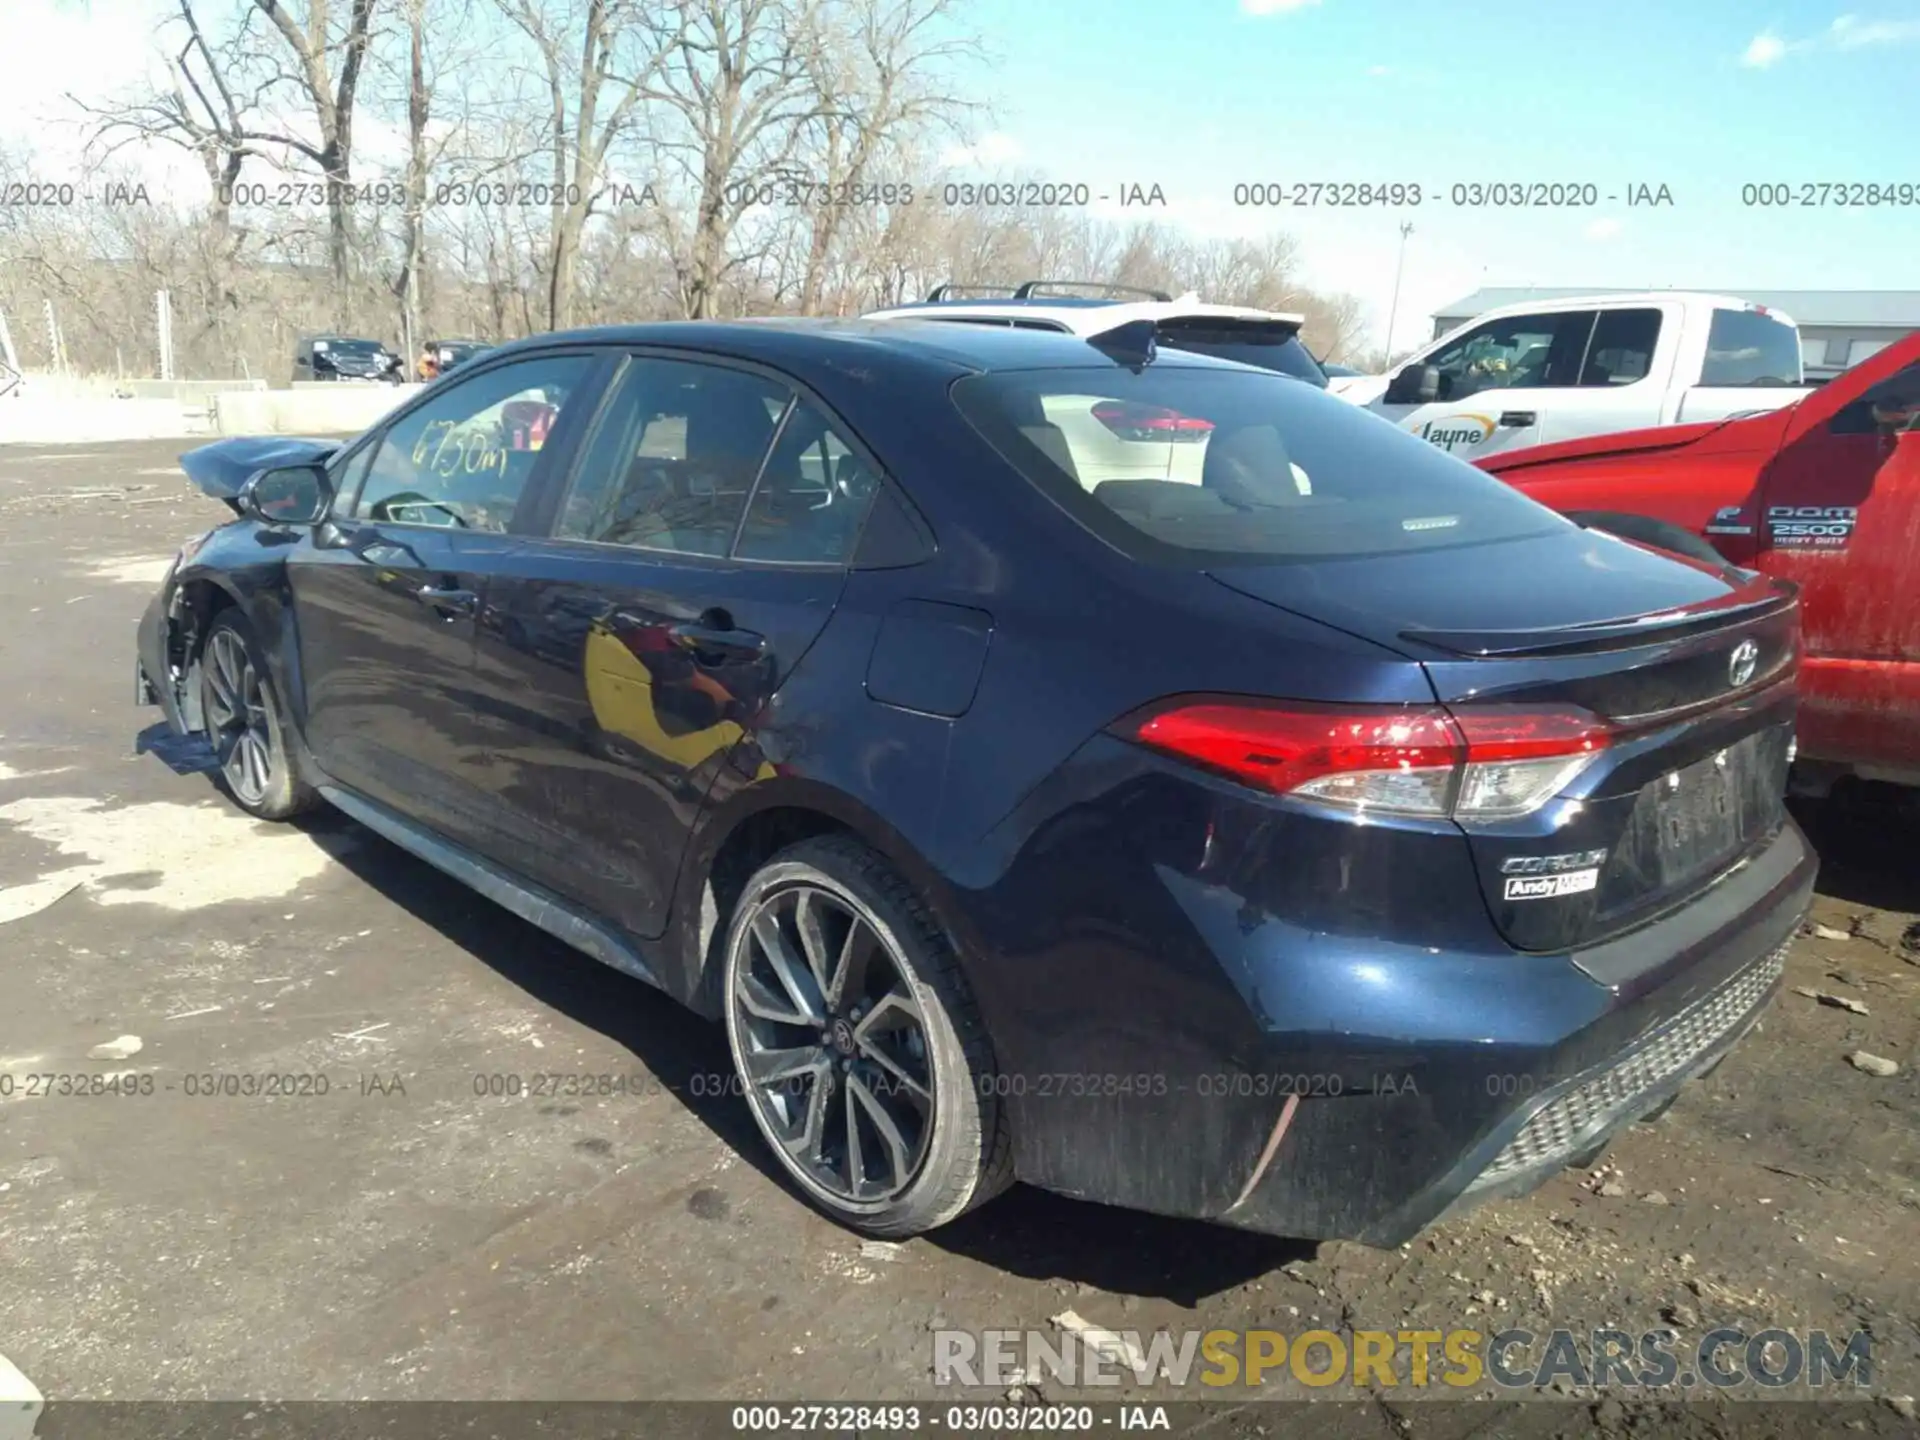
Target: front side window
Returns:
[1191, 467]
[674, 458]
[1747, 347]
[463, 458]
[1530, 351]
[1890, 408]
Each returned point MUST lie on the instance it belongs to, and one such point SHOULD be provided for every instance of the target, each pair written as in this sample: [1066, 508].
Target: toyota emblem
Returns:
[1742, 663]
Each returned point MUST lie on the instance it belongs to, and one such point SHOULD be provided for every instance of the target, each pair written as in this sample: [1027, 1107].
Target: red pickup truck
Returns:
[1825, 493]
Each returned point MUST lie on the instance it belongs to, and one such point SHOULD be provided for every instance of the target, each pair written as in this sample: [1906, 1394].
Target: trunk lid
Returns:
[1693, 670]
[220, 469]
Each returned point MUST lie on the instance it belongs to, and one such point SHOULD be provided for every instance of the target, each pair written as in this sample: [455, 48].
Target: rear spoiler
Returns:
[1030, 290]
[1756, 600]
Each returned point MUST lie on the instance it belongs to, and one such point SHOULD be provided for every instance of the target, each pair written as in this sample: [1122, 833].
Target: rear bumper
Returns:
[1585, 1109]
[1356, 1089]
[1703, 978]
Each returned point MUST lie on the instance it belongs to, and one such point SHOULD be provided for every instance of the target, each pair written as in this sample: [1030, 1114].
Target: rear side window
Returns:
[1745, 347]
[1191, 466]
[1269, 347]
[1621, 350]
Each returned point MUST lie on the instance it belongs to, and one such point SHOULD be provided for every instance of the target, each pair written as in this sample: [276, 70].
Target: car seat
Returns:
[728, 430]
[1029, 413]
[1250, 466]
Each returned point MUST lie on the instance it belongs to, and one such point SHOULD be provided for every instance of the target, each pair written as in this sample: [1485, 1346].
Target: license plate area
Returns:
[1706, 812]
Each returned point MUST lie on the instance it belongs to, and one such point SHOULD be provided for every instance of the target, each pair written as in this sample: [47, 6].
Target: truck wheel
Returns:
[1645, 530]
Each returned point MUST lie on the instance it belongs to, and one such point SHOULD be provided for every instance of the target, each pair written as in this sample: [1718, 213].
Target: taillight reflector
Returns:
[1150, 422]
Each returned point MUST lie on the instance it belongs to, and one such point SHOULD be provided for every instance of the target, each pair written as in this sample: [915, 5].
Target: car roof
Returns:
[825, 347]
[1620, 299]
[1081, 315]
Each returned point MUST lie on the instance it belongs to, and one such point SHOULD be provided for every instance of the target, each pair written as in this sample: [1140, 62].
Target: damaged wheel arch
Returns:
[196, 603]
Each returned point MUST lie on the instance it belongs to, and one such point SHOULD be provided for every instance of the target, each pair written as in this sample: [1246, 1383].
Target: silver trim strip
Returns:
[534, 906]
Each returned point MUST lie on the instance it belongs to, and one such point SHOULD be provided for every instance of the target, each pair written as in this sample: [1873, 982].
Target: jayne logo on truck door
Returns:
[1811, 527]
[1451, 432]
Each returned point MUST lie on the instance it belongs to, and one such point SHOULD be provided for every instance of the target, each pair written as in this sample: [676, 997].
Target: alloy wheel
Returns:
[832, 1045]
[236, 717]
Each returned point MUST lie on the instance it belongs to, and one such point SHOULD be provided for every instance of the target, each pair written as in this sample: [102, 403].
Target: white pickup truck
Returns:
[1530, 374]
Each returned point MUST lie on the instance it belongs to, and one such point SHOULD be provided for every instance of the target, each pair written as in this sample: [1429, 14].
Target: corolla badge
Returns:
[1741, 664]
[1453, 431]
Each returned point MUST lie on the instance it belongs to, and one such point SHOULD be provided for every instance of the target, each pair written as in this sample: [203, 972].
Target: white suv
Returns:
[1265, 338]
[1106, 439]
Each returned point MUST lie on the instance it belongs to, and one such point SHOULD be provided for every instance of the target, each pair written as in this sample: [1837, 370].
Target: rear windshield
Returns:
[1196, 465]
[349, 347]
[1269, 347]
[1745, 347]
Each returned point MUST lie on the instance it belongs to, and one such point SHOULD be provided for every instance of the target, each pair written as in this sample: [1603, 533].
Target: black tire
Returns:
[1645, 530]
[246, 723]
[965, 1157]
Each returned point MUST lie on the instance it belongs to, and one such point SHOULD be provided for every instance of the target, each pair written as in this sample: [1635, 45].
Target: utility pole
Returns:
[1393, 310]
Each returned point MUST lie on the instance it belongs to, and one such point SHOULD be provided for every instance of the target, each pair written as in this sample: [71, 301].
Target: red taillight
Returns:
[1150, 422]
[1475, 763]
[1518, 732]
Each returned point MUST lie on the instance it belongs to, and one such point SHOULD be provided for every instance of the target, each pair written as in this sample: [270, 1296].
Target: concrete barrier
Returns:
[187, 391]
[44, 416]
[36, 419]
[323, 409]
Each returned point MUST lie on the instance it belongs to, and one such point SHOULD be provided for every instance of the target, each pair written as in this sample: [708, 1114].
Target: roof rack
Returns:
[1026, 291]
[950, 291]
[1029, 290]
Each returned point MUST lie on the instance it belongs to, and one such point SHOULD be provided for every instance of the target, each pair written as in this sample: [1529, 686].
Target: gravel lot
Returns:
[404, 1237]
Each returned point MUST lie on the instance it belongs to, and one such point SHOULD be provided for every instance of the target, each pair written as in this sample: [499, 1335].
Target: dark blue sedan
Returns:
[1127, 772]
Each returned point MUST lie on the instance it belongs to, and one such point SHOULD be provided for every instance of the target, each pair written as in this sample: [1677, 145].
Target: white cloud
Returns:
[1275, 7]
[1847, 32]
[989, 151]
[1850, 32]
[1378, 70]
[1604, 229]
[1763, 50]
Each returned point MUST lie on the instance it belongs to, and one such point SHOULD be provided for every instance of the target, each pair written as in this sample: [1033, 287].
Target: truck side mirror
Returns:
[1417, 384]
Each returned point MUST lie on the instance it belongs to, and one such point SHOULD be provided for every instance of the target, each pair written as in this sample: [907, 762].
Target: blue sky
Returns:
[1198, 95]
[1701, 96]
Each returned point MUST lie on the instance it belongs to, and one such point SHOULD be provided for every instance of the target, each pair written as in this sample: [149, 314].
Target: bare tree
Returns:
[739, 95]
[879, 73]
[313, 47]
[599, 60]
[197, 111]
[433, 48]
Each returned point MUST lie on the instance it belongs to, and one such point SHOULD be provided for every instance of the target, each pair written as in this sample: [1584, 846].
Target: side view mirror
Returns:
[1416, 385]
[288, 495]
